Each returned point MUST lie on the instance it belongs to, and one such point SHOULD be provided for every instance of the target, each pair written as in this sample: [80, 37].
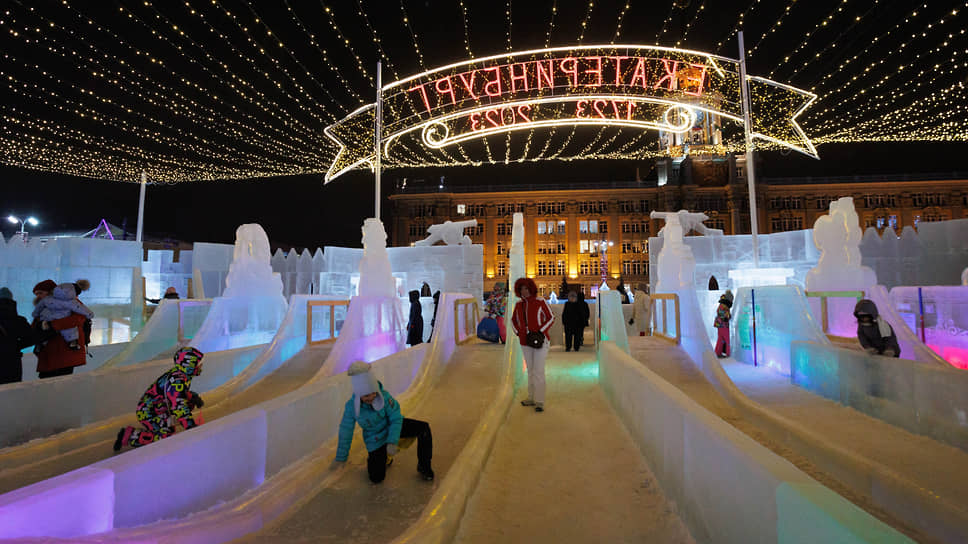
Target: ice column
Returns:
[837, 236]
[677, 266]
[376, 279]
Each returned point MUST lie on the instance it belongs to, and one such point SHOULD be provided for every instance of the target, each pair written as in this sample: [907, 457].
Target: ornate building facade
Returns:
[567, 226]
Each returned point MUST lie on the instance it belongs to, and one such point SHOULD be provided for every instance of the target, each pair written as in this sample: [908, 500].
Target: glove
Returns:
[391, 449]
[632, 321]
[197, 401]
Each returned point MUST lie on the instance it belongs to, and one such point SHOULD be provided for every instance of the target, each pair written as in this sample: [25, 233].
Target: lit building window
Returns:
[461, 209]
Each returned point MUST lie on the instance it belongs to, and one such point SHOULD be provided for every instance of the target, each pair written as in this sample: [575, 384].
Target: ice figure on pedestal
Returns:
[376, 278]
[375, 325]
[250, 273]
[837, 236]
[450, 232]
[677, 265]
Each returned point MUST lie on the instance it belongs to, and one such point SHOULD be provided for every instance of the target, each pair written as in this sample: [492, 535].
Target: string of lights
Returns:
[237, 89]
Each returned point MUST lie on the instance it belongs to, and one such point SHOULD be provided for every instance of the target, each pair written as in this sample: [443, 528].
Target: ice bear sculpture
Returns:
[376, 278]
[837, 235]
[250, 273]
[450, 232]
[690, 221]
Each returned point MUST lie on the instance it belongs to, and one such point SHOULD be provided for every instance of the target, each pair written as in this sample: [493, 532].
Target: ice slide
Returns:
[173, 323]
[893, 470]
[235, 331]
[254, 464]
[275, 368]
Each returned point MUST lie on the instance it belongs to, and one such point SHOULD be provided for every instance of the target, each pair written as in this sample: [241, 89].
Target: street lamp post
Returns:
[602, 248]
[23, 233]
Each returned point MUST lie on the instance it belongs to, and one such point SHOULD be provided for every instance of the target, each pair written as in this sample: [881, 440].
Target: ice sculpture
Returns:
[691, 221]
[677, 266]
[837, 236]
[250, 273]
[450, 232]
[376, 279]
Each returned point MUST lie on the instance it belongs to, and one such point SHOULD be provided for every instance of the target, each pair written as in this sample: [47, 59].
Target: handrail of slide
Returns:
[824, 318]
[461, 306]
[662, 331]
[259, 461]
[332, 305]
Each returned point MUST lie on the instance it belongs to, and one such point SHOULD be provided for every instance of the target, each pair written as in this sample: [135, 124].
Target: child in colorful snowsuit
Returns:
[62, 303]
[722, 324]
[168, 401]
[875, 334]
[495, 307]
[383, 426]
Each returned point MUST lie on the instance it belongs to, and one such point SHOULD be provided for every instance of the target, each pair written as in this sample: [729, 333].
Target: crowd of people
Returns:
[59, 331]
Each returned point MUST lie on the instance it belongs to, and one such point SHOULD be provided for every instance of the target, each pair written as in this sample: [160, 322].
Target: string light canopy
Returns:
[198, 90]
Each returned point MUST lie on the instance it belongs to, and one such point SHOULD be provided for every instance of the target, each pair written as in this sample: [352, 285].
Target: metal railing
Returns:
[470, 325]
[332, 304]
[823, 296]
[662, 331]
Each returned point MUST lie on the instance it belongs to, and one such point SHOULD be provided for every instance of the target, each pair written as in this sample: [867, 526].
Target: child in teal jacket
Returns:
[378, 414]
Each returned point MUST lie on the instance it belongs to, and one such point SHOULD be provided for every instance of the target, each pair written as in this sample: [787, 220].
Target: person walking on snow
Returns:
[378, 414]
[531, 320]
[641, 310]
[168, 401]
[875, 334]
[721, 323]
[573, 320]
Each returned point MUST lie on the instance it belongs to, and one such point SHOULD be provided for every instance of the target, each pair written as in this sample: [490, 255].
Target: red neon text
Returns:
[605, 109]
[500, 117]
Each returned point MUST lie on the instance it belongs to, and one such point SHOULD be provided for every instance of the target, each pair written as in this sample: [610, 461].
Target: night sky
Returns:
[299, 211]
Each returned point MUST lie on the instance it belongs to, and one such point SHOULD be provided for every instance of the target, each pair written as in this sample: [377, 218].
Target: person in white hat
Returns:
[383, 426]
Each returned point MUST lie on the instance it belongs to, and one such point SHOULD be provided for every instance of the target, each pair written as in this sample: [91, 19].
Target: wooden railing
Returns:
[823, 296]
[332, 304]
[470, 324]
[661, 332]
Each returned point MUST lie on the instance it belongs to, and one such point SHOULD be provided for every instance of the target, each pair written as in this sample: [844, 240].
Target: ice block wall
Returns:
[945, 318]
[717, 255]
[444, 268]
[210, 266]
[934, 254]
[112, 266]
[161, 272]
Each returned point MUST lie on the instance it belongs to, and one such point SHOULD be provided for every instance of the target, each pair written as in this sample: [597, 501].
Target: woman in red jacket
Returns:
[532, 315]
[56, 358]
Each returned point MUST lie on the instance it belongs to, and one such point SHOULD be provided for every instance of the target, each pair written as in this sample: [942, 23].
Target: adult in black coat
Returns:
[15, 335]
[574, 318]
[415, 324]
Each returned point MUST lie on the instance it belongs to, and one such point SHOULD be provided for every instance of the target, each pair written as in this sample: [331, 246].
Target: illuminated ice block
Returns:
[759, 277]
[782, 316]
[944, 309]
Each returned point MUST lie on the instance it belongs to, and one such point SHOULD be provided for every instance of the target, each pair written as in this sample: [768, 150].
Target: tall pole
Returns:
[377, 140]
[744, 91]
[141, 205]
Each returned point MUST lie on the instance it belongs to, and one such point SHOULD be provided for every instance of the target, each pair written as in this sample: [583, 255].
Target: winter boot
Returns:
[124, 434]
[528, 402]
[426, 472]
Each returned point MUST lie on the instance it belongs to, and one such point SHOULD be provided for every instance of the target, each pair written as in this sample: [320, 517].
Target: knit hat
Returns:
[364, 382]
[46, 286]
[5, 293]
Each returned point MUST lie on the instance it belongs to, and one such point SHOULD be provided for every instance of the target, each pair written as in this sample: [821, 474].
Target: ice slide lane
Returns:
[283, 365]
[916, 480]
[570, 474]
[350, 508]
[297, 371]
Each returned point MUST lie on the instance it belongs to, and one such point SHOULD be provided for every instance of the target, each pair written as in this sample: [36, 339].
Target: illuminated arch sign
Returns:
[648, 87]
